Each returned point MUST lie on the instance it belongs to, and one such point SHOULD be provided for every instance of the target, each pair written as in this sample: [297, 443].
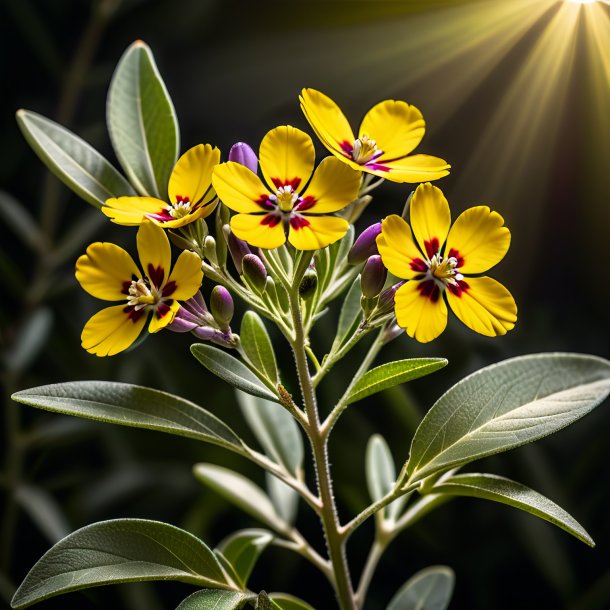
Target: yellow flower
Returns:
[108, 272]
[389, 131]
[189, 190]
[287, 206]
[439, 264]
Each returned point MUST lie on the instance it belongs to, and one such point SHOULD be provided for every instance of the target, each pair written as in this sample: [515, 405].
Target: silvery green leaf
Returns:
[511, 493]
[257, 345]
[350, 315]
[17, 216]
[214, 599]
[142, 121]
[77, 164]
[31, 339]
[504, 406]
[284, 601]
[283, 497]
[231, 370]
[243, 548]
[393, 373]
[121, 550]
[429, 589]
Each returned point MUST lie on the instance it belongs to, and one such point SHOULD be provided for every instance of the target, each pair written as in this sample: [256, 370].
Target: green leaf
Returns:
[350, 315]
[429, 589]
[257, 346]
[142, 121]
[243, 548]
[122, 550]
[77, 164]
[131, 405]
[212, 599]
[18, 217]
[30, 341]
[283, 601]
[504, 406]
[275, 429]
[242, 492]
[231, 370]
[511, 493]
[381, 474]
[391, 374]
[283, 497]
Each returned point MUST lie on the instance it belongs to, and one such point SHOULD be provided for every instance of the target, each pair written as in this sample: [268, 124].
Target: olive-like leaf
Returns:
[504, 406]
[132, 405]
[257, 345]
[142, 121]
[284, 601]
[231, 370]
[214, 599]
[391, 374]
[242, 492]
[283, 497]
[121, 550]
[511, 493]
[243, 548]
[17, 216]
[77, 164]
[350, 315]
[429, 589]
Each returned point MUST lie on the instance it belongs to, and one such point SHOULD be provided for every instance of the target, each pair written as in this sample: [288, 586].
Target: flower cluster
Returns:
[296, 204]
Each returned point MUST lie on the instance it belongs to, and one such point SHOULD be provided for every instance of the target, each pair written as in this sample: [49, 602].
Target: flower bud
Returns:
[365, 245]
[254, 272]
[244, 155]
[386, 298]
[191, 315]
[209, 249]
[373, 277]
[309, 283]
[238, 248]
[221, 304]
[221, 218]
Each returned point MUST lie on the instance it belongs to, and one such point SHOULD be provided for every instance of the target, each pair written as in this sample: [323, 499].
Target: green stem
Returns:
[329, 517]
[375, 554]
[299, 545]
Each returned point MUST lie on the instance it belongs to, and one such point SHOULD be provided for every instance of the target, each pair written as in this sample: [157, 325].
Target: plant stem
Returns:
[370, 566]
[329, 517]
[299, 545]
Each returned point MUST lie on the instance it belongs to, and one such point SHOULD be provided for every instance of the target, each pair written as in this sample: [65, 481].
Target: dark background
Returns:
[516, 97]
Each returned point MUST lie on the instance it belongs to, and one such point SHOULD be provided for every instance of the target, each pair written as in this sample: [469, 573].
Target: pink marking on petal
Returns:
[432, 247]
[155, 275]
[347, 147]
[265, 202]
[462, 286]
[298, 222]
[270, 219]
[293, 182]
[456, 254]
[417, 264]
[378, 166]
[305, 204]
[429, 290]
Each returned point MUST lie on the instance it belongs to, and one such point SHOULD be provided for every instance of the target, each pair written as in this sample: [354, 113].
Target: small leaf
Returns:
[142, 121]
[504, 406]
[429, 589]
[284, 601]
[131, 405]
[44, 510]
[240, 491]
[17, 216]
[77, 164]
[214, 599]
[231, 370]
[257, 346]
[511, 493]
[32, 338]
[284, 498]
[243, 548]
[275, 429]
[391, 374]
[121, 550]
[381, 474]
[350, 315]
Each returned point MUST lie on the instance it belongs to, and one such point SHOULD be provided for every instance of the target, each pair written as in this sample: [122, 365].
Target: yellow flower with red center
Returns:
[287, 206]
[108, 272]
[190, 194]
[442, 265]
[389, 132]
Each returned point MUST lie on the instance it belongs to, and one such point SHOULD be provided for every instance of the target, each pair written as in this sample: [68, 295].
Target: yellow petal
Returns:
[478, 239]
[484, 305]
[112, 330]
[316, 232]
[131, 211]
[105, 271]
[396, 127]
[333, 186]
[163, 315]
[192, 175]
[430, 218]
[398, 250]
[155, 253]
[239, 188]
[185, 278]
[327, 120]
[286, 156]
[414, 168]
[421, 310]
[257, 230]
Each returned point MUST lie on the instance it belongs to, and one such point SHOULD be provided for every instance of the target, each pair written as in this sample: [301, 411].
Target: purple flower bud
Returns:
[365, 245]
[238, 248]
[242, 153]
[373, 277]
[386, 298]
[192, 314]
[221, 304]
[255, 272]
[309, 283]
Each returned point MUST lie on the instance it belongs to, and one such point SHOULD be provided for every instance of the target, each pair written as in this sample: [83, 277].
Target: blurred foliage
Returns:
[234, 70]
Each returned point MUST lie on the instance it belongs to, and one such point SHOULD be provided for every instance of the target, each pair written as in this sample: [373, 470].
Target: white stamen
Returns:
[364, 149]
